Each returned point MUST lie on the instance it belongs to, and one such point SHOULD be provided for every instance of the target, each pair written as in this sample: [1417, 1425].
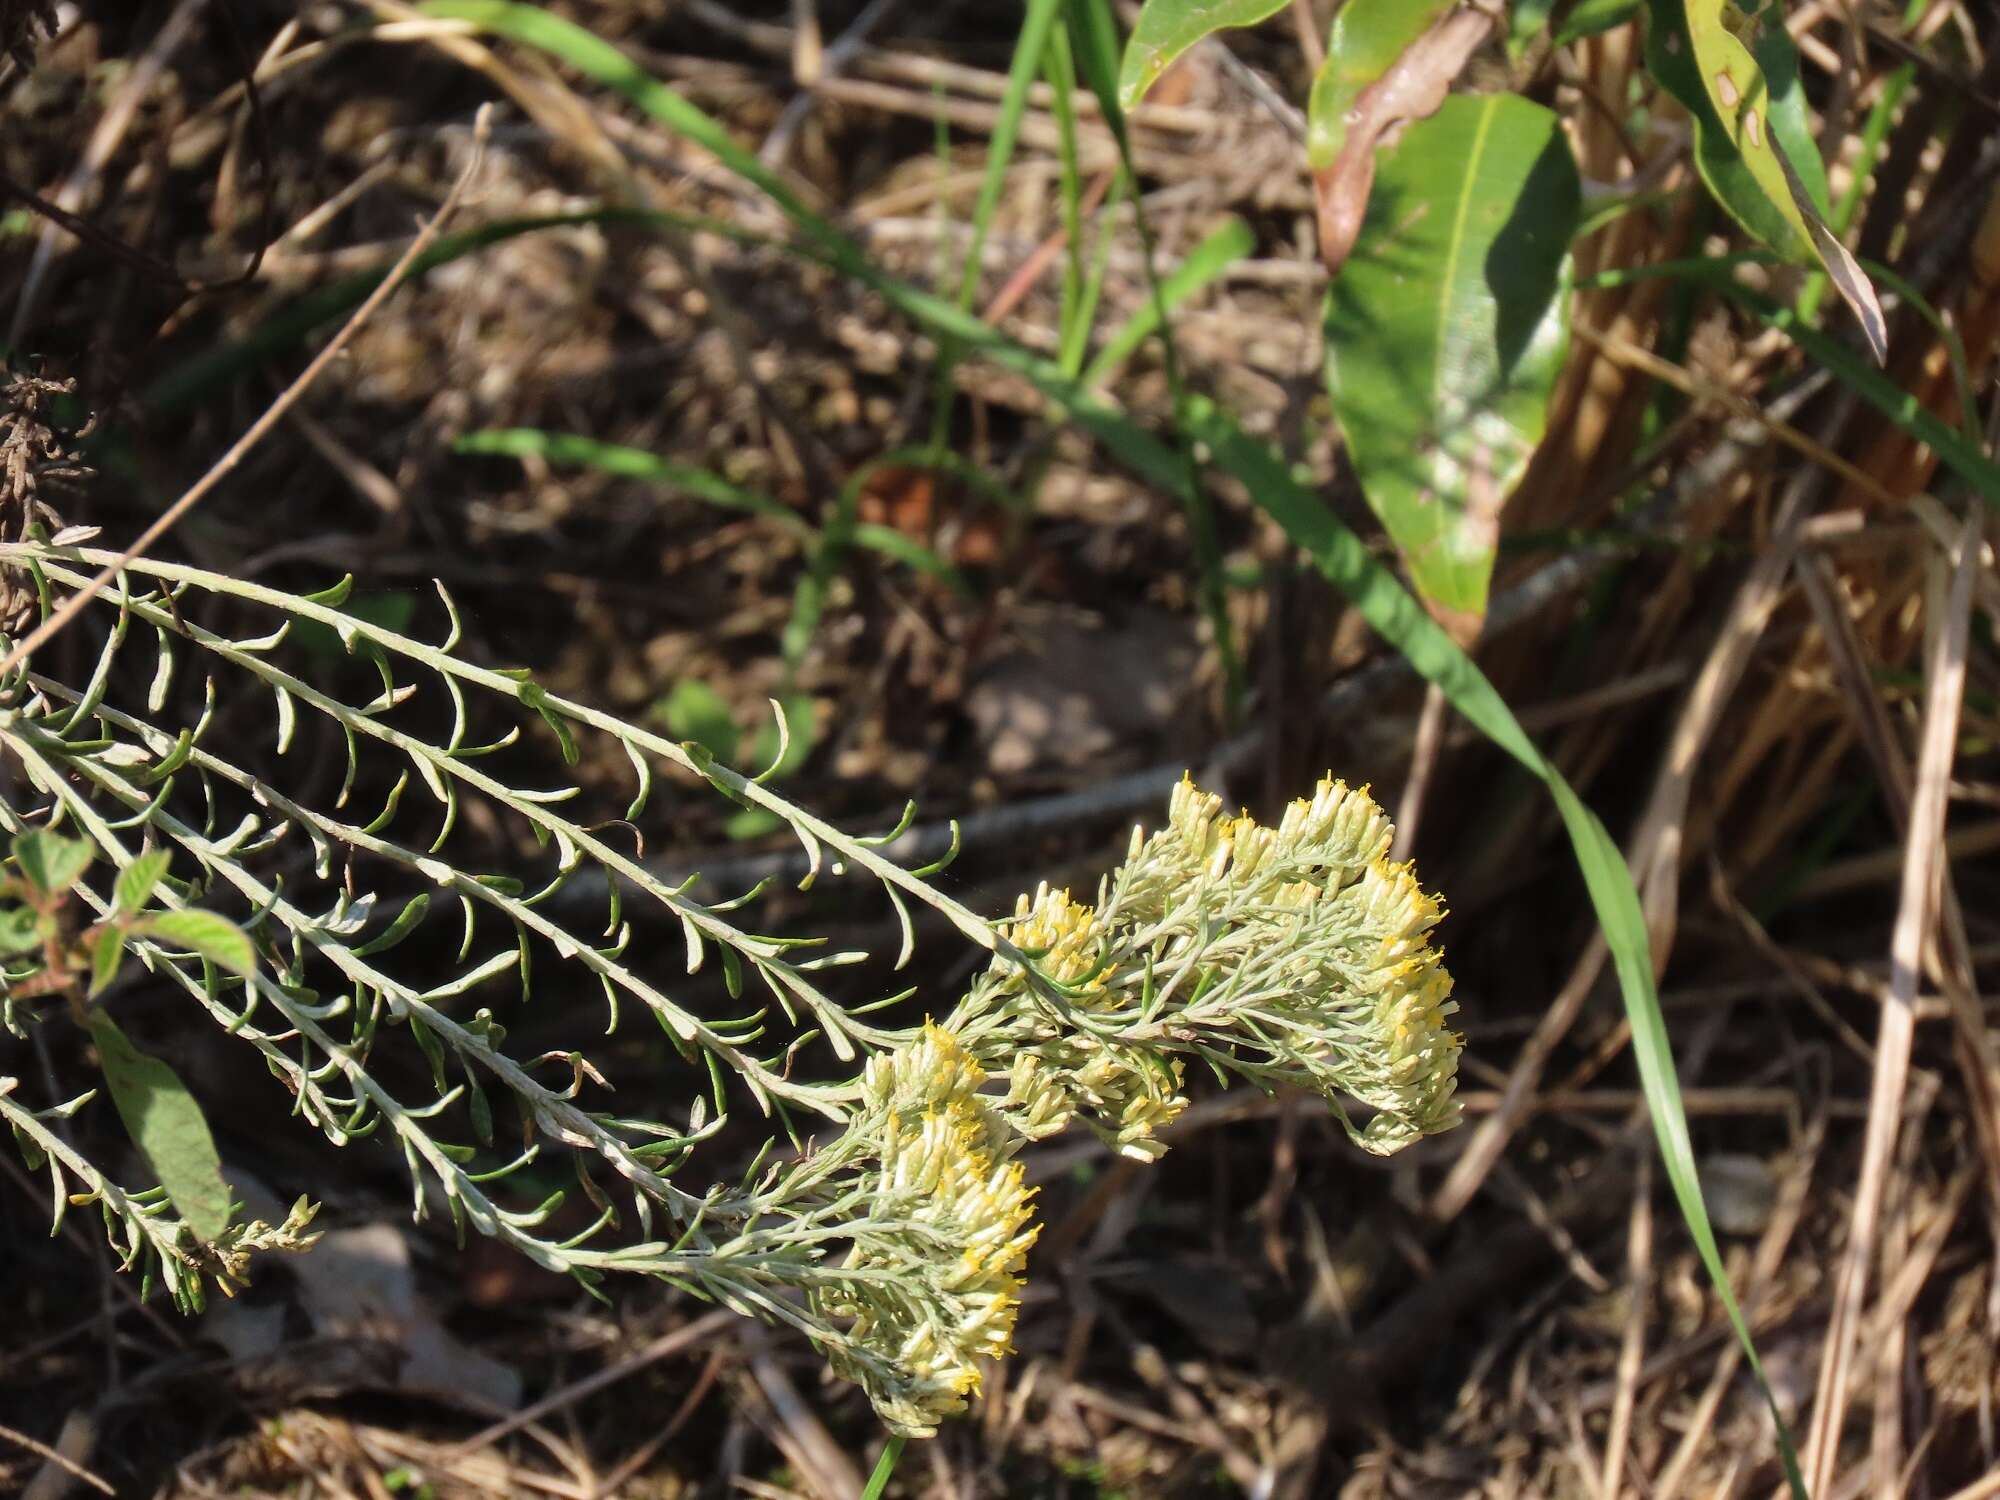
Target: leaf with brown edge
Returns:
[1388, 62]
[1740, 93]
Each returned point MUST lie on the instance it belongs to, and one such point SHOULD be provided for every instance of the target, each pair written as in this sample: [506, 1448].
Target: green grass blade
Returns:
[1059, 69]
[825, 545]
[1077, 344]
[1208, 260]
[1030, 48]
[1100, 28]
[632, 463]
[885, 1467]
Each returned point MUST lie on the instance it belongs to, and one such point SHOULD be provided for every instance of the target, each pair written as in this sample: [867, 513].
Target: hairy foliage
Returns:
[894, 1236]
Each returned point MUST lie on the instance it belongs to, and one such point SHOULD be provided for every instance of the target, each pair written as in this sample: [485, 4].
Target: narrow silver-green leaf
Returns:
[1446, 330]
[167, 1126]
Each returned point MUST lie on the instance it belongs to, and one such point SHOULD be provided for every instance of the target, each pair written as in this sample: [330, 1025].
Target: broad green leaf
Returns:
[695, 711]
[166, 1125]
[20, 930]
[1367, 38]
[214, 937]
[1167, 28]
[50, 863]
[137, 880]
[105, 951]
[1446, 330]
[1754, 143]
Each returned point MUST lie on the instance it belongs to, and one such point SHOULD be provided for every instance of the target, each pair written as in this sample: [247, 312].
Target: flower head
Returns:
[1067, 1060]
[1303, 951]
[932, 1283]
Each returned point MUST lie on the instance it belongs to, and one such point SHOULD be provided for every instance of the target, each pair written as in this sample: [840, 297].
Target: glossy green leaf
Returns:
[50, 863]
[206, 933]
[1367, 38]
[1738, 79]
[1167, 28]
[137, 881]
[167, 1126]
[1446, 330]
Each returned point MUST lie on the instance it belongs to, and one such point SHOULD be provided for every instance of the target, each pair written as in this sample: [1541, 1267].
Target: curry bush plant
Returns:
[178, 839]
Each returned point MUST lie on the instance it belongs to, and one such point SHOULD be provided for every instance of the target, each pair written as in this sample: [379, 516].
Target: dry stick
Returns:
[1953, 969]
[61, 1460]
[1632, 1352]
[1423, 761]
[664, 1347]
[1914, 913]
[273, 414]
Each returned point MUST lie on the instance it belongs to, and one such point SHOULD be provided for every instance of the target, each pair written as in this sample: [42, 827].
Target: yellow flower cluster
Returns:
[933, 1285]
[1294, 955]
[1058, 1066]
[1312, 922]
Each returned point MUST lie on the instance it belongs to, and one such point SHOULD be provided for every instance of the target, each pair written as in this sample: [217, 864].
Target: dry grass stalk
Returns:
[1915, 914]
